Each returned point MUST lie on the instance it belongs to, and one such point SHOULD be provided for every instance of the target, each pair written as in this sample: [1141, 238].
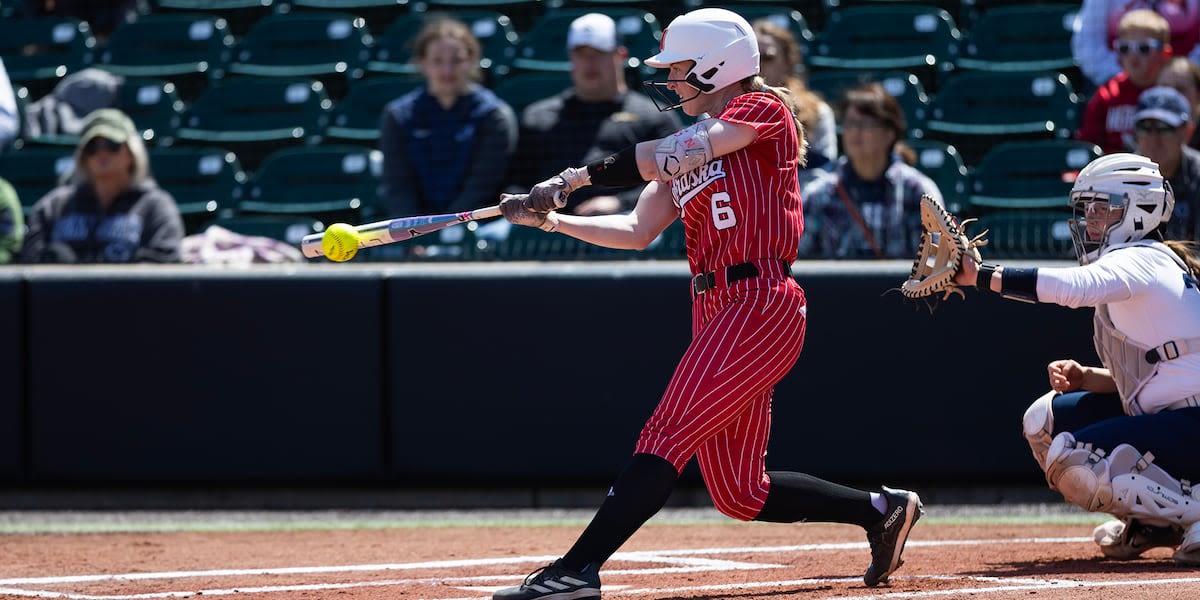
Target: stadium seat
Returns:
[252, 116]
[781, 15]
[1030, 234]
[814, 11]
[356, 118]
[544, 47]
[904, 86]
[522, 12]
[522, 89]
[35, 171]
[942, 163]
[285, 228]
[330, 47]
[1028, 175]
[331, 183]
[379, 14]
[154, 107]
[239, 14]
[879, 37]
[202, 181]
[392, 51]
[1033, 37]
[185, 49]
[974, 110]
[39, 51]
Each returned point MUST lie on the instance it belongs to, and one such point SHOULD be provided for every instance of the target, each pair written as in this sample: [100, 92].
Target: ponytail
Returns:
[757, 84]
[1186, 250]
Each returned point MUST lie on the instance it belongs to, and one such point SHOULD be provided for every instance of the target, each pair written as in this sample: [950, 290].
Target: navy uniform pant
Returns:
[1172, 436]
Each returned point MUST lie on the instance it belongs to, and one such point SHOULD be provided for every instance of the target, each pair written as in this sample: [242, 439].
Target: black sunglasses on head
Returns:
[96, 144]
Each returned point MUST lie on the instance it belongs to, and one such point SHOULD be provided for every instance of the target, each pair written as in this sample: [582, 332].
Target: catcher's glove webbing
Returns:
[943, 244]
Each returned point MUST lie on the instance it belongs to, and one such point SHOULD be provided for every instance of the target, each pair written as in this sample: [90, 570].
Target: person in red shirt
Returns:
[731, 179]
[1143, 47]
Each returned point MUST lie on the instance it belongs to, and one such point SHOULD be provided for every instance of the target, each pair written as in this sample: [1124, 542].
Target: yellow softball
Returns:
[340, 242]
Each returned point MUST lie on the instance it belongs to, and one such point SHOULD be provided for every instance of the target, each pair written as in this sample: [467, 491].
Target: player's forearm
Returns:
[1098, 379]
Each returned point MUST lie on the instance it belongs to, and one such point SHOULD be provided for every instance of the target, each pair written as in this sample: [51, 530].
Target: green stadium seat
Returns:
[39, 51]
[1032, 37]
[35, 171]
[522, 89]
[379, 14]
[1029, 175]
[285, 228]
[154, 107]
[904, 86]
[330, 47]
[253, 116]
[186, 49]
[356, 118]
[331, 183]
[544, 47]
[943, 164]
[203, 181]
[1027, 234]
[392, 51]
[239, 14]
[880, 37]
[974, 110]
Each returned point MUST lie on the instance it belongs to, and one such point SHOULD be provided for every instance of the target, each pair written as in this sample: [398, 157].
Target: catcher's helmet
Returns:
[1129, 182]
[721, 43]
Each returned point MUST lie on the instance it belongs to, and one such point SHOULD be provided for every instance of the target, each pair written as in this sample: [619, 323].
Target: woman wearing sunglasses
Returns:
[1142, 47]
[108, 210]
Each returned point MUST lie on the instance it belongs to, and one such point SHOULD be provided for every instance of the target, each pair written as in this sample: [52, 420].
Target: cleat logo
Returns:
[895, 515]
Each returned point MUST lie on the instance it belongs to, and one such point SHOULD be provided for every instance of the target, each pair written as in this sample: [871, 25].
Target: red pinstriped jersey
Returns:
[745, 205]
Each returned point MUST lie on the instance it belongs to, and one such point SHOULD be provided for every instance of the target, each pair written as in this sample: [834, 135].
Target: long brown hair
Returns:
[445, 26]
[756, 84]
[1186, 250]
[807, 101]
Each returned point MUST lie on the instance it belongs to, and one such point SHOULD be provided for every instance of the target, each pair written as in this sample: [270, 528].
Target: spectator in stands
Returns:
[779, 63]
[869, 205]
[103, 15]
[447, 144]
[1098, 25]
[10, 121]
[108, 210]
[1143, 45]
[12, 223]
[594, 118]
[1183, 74]
[1163, 125]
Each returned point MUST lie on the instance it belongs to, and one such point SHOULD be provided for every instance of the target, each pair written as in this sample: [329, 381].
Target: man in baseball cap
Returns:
[1162, 128]
[593, 30]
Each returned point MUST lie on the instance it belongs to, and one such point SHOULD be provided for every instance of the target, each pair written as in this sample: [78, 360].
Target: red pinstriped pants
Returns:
[745, 338]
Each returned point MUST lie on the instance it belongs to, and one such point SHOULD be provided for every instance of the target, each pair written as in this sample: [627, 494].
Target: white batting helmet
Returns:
[1130, 182]
[721, 43]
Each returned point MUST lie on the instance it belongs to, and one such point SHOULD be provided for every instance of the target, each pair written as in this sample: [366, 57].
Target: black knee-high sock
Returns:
[639, 492]
[801, 497]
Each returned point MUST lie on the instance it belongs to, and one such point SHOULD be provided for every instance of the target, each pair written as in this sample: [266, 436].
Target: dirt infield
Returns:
[709, 560]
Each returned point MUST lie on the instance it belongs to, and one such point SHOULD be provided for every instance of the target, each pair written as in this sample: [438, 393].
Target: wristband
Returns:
[983, 279]
[1019, 284]
[575, 178]
[550, 225]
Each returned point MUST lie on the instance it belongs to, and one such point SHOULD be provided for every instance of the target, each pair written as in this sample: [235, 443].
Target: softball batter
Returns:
[732, 179]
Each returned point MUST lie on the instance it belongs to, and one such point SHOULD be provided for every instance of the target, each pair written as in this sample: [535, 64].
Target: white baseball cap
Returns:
[593, 30]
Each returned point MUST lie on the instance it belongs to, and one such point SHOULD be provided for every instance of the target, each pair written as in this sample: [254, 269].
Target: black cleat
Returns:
[888, 537]
[555, 582]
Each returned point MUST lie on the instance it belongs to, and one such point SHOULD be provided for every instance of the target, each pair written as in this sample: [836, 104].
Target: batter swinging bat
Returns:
[398, 230]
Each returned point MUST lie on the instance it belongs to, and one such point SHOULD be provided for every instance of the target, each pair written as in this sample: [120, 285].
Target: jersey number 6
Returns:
[722, 211]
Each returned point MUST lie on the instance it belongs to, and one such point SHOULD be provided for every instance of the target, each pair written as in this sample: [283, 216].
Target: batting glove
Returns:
[515, 208]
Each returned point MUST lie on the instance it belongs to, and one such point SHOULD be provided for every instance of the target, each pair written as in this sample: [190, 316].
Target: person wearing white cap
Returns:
[731, 179]
[108, 210]
[597, 116]
[1162, 128]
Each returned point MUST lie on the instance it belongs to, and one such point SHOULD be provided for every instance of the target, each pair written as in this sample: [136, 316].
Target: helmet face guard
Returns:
[665, 99]
[1095, 207]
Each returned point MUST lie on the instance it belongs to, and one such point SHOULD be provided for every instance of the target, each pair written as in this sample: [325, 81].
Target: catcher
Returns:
[1118, 438]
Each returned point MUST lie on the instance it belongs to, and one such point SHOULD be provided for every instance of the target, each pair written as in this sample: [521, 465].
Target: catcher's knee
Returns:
[1038, 426]
[1079, 472]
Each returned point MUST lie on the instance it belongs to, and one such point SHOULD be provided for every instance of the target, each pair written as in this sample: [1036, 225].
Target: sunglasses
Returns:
[1143, 47]
[97, 144]
[1154, 128]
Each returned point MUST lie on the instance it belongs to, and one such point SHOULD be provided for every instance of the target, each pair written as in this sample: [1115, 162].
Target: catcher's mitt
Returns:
[943, 244]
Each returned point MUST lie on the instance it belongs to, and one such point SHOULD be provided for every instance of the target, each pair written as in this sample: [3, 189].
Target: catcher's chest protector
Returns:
[1124, 359]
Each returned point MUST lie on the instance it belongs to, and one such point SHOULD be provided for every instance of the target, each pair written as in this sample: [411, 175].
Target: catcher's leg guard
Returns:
[1079, 473]
[1038, 426]
[1189, 551]
[1146, 492]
